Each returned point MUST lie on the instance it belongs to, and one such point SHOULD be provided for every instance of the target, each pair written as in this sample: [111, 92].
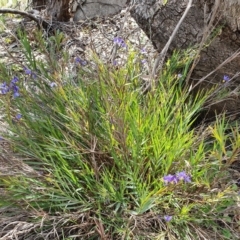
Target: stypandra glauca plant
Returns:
[119, 163]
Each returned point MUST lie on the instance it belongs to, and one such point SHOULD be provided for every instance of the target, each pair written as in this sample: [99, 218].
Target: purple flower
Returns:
[53, 84]
[16, 94]
[81, 61]
[143, 61]
[143, 51]
[30, 72]
[167, 218]
[183, 176]
[18, 116]
[4, 88]
[14, 80]
[27, 71]
[170, 179]
[179, 176]
[119, 41]
[226, 78]
[14, 88]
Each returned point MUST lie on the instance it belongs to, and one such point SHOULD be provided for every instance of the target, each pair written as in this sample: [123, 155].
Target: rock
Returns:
[97, 8]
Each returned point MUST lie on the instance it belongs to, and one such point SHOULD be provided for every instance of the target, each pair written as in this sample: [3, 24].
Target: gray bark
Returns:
[63, 10]
[97, 8]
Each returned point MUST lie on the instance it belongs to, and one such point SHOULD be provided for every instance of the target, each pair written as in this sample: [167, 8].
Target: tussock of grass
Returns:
[104, 153]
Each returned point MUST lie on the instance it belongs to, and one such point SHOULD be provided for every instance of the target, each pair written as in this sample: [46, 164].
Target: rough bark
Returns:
[55, 9]
[158, 21]
[59, 9]
[39, 4]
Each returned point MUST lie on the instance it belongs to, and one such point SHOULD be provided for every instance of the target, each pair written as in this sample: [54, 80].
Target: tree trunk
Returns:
[158, 21]
[55, 9]
[39, 4]
[63, 10]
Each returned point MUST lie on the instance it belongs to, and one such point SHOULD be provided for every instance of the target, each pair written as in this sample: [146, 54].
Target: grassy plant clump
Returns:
[111, 162]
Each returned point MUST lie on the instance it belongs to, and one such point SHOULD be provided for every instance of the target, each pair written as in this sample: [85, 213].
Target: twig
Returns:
[209, 27]
[40, 22]
[115, 47]
[161, 57]
[228, 60]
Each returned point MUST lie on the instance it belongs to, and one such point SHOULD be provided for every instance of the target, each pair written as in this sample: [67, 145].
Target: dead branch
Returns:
[161, 57]
[40, 22]
[158, 64]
